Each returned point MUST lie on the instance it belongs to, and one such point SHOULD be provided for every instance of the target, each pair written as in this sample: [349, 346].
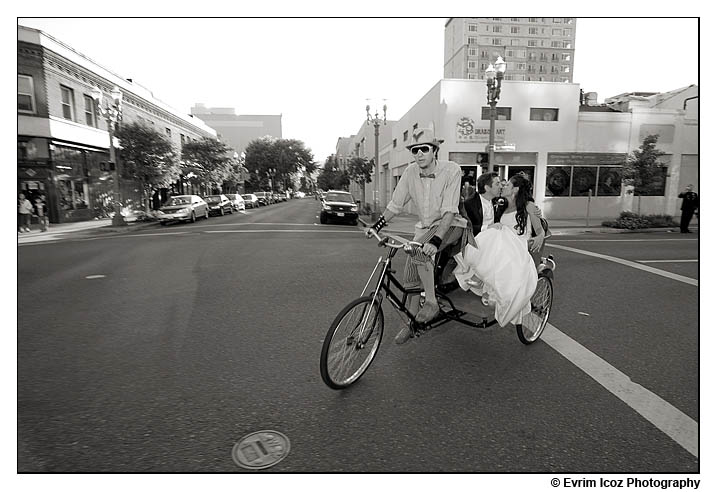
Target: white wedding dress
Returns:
[500, 270]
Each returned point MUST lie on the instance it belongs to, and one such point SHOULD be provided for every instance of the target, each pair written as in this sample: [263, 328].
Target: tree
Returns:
[360, 171]
[642, 168]
[148, 157]
[331, 177]
[206, 162]
[286, 157]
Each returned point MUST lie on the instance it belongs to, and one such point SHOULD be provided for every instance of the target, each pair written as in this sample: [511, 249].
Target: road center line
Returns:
[632, 264]
[667, 418]
[667, 261]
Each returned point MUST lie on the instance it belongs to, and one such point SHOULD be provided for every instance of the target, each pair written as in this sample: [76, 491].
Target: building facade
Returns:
[572, 152]
[238, 130]
[63, 146]
[534, 48]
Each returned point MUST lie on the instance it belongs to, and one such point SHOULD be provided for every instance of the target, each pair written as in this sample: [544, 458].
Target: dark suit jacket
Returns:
[474, 211]
[690, 200]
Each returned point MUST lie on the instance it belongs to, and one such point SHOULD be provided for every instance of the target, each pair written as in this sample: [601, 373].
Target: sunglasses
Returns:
[425, 149]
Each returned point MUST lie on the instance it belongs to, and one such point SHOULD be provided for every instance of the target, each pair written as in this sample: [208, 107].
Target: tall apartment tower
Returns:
[534, 48]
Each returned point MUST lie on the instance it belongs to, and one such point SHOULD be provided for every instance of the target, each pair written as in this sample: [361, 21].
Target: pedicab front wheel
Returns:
[352, 342]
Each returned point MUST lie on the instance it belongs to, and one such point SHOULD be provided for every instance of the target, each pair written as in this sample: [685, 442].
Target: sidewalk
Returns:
[76, 229]
[404, 224]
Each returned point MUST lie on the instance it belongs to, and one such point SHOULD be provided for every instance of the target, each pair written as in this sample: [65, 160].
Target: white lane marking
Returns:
[632, 264]
[618, 240]
[135, 235]
[285, 230]
[667, 261]
[95, 276]
[667, 418]
[233, 224]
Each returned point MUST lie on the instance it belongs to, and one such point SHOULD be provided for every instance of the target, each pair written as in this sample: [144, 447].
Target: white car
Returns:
[251, 200]
[237, 201]
[183, 207]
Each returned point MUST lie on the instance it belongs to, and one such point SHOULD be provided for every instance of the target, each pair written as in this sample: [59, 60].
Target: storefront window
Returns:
[584, 181]
[72, 184]
[609, 181]
[558, 180]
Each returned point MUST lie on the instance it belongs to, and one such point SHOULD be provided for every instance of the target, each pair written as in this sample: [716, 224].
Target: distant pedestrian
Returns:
[41, 212]
[688, 207]
[24, 213]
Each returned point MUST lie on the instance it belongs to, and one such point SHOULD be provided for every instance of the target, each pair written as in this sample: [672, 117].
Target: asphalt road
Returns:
[157, 351]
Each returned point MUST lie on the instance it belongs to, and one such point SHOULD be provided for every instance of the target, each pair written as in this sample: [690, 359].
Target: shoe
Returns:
[403, 335]
[428, 312]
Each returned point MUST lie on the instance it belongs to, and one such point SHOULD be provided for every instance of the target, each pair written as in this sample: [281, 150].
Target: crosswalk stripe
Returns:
[667, 418]
[632, 264]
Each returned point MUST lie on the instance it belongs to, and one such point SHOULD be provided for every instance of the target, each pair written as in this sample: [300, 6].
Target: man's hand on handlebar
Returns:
[370, 232]
[429, 249]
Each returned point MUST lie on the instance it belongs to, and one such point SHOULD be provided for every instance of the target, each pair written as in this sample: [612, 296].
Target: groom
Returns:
[483, 207]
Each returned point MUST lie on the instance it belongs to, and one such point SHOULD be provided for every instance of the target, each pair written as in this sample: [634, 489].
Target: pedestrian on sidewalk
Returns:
[41, 212]
[689, 206]
[24, 213]
[434, 186]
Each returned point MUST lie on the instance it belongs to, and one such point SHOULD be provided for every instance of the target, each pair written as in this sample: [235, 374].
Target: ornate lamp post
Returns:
[112, 112]
[376, 122]
[494, 76]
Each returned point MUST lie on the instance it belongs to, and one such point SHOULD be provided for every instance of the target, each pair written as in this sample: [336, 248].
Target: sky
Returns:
[321, 73]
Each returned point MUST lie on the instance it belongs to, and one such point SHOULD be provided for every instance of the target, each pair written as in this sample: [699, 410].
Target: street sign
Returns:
[505, 148]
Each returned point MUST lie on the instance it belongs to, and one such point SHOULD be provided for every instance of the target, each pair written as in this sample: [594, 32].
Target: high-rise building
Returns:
[534, 48]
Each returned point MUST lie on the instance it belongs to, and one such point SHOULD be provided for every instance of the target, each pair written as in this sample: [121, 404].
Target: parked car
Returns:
[339, 206]
[183, 207]
[278, 197]
[264, 197]
[251, 200]
[237, 201]
[219, 204]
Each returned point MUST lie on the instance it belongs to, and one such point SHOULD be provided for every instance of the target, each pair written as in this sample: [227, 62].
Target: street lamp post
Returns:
[376, 122]
[271, 172]
[112, 112]
[494, 76]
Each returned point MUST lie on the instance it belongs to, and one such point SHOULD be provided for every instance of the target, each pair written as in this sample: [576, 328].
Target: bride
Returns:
[500, 269]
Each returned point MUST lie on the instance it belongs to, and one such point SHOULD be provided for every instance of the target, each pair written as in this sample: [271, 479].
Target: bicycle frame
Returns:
[384, 283]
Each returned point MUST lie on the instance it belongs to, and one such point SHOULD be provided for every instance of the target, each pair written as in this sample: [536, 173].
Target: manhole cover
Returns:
[261, 449]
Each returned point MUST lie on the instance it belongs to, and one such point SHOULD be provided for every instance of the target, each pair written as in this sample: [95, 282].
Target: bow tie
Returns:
[422, 175]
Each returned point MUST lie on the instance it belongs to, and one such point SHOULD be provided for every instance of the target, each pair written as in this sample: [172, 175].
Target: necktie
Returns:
[422, 175]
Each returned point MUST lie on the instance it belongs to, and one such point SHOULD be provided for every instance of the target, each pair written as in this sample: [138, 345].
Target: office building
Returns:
[537, 49]
[238, 130]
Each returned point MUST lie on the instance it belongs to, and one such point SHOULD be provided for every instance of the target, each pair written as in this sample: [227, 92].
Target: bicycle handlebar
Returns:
[398, 242]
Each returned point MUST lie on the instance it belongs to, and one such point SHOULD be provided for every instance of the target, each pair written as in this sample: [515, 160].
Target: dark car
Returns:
[339, 206]
[183, 207]
[219, 204]
[264, 197]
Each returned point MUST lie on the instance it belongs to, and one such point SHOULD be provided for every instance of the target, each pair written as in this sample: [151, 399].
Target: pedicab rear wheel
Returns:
[534, 323]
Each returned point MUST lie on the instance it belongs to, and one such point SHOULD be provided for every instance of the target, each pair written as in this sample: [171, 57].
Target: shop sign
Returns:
[466, 132]
[585, 159]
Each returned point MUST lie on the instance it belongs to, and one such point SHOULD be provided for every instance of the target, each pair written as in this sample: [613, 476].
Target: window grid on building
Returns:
[68, 102]
[25, 94]
[90, 111]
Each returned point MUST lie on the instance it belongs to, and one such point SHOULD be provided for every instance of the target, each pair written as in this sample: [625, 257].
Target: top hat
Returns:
[421, 136]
